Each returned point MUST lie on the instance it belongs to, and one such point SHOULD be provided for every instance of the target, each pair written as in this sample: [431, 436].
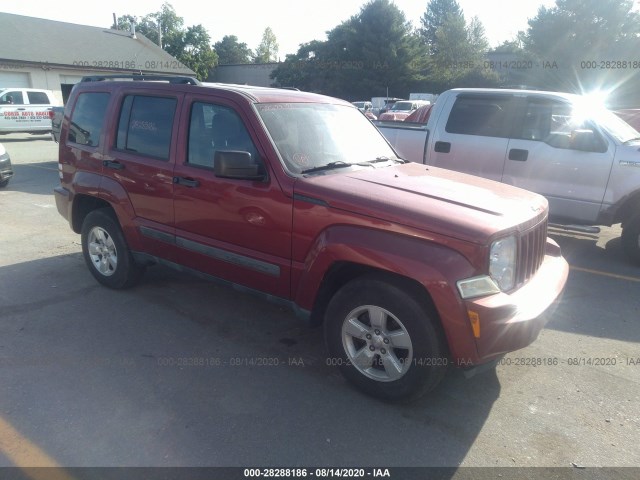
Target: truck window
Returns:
[479, 116]
[553, 123]
[145, 125]
[38, 98]
[214, 127]
[12, 98]
[88, 118]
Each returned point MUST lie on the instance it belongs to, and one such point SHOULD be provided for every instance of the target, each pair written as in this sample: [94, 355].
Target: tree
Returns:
[477, 36]
[574, 36]
[231, 52]
[438, 11]
[191, 46]
[367, 55]
[267, 51]
[456, 49]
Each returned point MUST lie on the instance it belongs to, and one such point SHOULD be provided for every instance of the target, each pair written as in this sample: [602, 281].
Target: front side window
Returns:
[560, 125]
[12, 98]
[212, 128]
[88, 118]
[145, 125]
[485, 116]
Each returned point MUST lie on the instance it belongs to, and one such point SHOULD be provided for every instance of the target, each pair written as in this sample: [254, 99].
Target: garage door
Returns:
[14, 79]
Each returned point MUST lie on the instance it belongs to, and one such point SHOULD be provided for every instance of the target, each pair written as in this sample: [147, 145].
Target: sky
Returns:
[293, 21]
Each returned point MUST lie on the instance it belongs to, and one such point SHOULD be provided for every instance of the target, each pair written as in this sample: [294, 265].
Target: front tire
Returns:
[106, 252]
[384, 340]
[631, 238]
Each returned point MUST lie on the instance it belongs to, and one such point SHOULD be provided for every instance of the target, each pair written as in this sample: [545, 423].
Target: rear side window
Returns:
[145, 125]
[39, 98]
[479, 116]
[88, 118]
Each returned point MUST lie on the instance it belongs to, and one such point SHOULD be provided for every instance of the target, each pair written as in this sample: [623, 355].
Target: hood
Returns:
[428, 198]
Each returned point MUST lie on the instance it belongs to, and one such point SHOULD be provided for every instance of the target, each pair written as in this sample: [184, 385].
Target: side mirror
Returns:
[237, 165]
[587, 141]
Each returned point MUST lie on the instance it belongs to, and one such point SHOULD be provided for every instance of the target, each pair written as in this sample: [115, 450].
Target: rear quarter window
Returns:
[87, 118]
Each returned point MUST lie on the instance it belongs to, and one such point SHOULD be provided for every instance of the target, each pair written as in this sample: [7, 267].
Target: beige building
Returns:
[38, 53]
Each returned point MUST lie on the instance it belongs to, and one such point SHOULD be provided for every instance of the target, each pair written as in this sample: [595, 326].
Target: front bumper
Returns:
[509, 322]
[6, 172]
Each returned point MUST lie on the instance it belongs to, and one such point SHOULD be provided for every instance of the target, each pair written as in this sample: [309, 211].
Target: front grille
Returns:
[531, 252]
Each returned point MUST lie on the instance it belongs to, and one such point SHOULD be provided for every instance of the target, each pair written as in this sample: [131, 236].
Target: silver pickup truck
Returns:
[584, 159]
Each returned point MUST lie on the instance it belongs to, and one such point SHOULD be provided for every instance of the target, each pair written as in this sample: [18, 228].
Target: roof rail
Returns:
[144, 77]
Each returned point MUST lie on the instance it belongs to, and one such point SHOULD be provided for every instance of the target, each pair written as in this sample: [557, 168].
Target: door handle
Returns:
[21, 109]
[114, 165]
[187, 182]
[442, 147]
[518, 154]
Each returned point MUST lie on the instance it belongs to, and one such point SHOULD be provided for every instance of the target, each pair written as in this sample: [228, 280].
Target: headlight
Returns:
[502, 262]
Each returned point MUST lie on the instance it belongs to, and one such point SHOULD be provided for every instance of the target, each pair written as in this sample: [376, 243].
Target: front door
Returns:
[237, 230]
[549, 155]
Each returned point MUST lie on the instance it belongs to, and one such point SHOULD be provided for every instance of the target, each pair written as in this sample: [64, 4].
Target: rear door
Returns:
[38, 105]
[140, 159]
[474, 137]
[238, 230]
[545, 156]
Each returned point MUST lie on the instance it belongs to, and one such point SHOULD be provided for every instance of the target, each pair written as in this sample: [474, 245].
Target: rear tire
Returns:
[631, 238]
[106, 252]
[4, 183]
[385, 341]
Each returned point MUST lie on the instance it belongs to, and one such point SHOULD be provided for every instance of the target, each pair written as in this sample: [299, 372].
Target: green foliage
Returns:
[456, 50]
[577, 31]
[438, 12]
[267, 51]
[191, 46]
[364, 56]
[232, 52]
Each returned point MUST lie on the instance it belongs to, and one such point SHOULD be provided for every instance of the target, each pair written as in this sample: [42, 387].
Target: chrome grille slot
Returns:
[531, 252]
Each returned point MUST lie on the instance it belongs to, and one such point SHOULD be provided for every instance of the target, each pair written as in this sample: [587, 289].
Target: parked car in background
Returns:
[6, 172]
[26, 110]
[584, 159]
[402, 109]
[420, 115]
[363, 106]
[387, 105]
[366, 108]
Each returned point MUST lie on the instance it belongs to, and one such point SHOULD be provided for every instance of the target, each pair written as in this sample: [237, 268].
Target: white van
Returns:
[26, 110]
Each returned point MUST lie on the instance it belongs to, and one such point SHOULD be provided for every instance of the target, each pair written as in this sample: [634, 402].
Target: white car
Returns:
[6, 172]
[26, 110]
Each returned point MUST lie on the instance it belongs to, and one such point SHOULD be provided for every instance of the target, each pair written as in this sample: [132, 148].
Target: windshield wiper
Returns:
[634, 139]
[387, 159]
[328, 166]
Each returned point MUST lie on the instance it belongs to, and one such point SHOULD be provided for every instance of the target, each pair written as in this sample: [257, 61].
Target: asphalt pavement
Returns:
[181, 372]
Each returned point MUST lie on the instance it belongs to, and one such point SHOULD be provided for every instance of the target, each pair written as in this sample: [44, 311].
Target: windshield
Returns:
[615, 126]
[402, 106]
[309, 135]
